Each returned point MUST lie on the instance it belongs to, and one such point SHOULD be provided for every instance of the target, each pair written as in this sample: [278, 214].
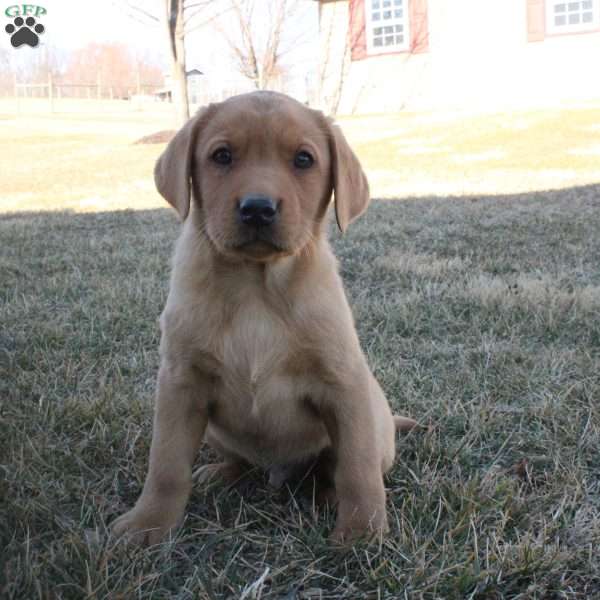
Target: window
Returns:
[568, 17]
[387, 25]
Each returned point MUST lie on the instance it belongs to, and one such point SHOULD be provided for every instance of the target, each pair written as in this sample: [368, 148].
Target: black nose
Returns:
[257, 210]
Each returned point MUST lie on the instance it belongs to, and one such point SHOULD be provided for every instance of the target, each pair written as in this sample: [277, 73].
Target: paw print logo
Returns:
[24, 31]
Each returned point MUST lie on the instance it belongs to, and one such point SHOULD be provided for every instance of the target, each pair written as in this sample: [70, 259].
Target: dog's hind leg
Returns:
[404, 424]
[228, 472]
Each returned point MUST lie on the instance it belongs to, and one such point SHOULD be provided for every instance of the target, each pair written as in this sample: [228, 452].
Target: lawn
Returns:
[89, 162]
[480, 315]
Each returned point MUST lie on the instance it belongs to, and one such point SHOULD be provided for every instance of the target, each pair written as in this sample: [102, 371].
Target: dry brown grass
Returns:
[514, 152]
[78, 161]
[88, 162]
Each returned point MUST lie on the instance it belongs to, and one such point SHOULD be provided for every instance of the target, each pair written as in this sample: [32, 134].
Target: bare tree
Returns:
[336, 55]
[338, 52]
[176, 34]
[8, 72]
[179, 18]
[30, 67]
[257, 45]
[111, 64]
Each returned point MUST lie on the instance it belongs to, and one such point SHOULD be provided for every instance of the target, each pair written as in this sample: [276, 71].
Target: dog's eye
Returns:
[222, 156]
[303, 160]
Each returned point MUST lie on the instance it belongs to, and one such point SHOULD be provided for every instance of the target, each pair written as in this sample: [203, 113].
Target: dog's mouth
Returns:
[259, 248]
[258, 245]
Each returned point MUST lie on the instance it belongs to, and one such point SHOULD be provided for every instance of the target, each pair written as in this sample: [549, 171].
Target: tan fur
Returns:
[259, 354]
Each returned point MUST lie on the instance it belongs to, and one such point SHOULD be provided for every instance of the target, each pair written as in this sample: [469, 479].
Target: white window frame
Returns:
[371, 25]
[552, 28]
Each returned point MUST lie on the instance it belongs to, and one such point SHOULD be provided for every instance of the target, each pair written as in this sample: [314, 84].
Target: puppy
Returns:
[259, 355]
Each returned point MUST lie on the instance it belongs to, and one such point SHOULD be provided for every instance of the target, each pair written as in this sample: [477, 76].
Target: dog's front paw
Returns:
[146, 527]
[359, 525]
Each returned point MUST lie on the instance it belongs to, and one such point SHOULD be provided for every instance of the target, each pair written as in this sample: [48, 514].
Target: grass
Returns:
[468, 154]
[78, 162]
[480, 316]
[88, 162]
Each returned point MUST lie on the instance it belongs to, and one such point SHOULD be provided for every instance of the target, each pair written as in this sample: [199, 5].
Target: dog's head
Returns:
[261, 168]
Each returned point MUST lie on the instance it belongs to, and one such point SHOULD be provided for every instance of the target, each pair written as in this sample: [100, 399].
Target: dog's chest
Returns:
[251, 356]
[260, 408]
[258, 389]
[254, 344]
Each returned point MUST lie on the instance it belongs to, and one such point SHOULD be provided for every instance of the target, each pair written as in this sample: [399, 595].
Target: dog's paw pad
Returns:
[24, 32]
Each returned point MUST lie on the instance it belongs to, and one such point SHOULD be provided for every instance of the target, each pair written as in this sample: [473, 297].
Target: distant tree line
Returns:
[107, 66]
[259, 34]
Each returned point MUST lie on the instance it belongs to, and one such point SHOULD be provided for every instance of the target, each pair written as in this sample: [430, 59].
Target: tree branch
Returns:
[196, 4]
[203, 23]
[137, 9]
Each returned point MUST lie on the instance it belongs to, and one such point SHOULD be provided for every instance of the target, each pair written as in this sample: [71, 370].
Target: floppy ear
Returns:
[350, 185]
[173, 169]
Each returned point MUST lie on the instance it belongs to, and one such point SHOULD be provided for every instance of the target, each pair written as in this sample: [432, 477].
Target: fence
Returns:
[52, 96]
[55, 91]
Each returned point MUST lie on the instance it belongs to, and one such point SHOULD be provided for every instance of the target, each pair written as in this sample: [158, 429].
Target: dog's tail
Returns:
[405, 424]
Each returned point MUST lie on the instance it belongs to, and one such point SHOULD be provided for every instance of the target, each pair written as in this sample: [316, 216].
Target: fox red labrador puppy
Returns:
[259, 353]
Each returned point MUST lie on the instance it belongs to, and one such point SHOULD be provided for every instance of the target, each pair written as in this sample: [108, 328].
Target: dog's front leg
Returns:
[180, 420]
[349, 416]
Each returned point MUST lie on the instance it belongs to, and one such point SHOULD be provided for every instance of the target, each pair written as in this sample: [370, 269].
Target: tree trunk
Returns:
[177, 53]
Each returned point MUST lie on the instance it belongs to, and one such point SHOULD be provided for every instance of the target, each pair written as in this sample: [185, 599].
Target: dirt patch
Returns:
[160, 137]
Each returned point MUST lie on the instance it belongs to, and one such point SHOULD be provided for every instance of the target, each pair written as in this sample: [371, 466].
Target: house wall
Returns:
[478, 58]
